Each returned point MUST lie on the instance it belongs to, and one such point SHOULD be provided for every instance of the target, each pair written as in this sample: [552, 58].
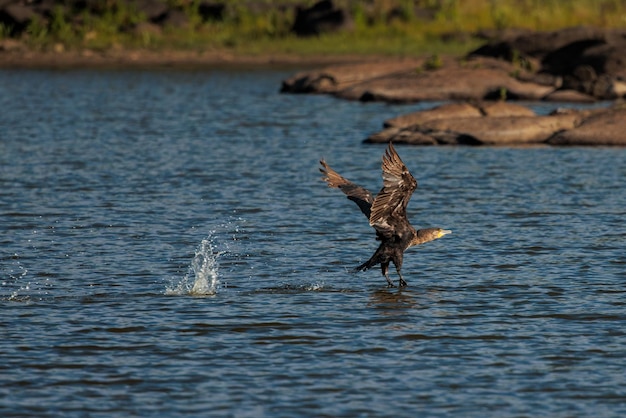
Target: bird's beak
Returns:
[444, 232]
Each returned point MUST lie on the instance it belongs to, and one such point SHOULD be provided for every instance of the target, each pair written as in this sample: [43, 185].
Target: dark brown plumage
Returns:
[386, 213]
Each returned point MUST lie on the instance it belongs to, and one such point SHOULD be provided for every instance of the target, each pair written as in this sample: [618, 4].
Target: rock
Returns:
[590, 60]
[604, 56]
[504, 126]
[449, 83]
[408, 81]
[322, 17]
[334, 78]
[459, 110]
[569, 95]
[402, 136]
[538, 44]
[566, 59]
[601, 128]
[508, 130]
[446, 111]
[607, 58]
[503, 109]
[544, 79]
[211, 11]
[16, 17]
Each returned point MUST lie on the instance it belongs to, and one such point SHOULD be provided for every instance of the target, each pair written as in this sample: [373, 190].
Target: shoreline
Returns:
[172, 59]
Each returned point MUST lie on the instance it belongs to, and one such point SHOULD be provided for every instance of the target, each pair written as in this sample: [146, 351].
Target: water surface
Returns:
[122, 190]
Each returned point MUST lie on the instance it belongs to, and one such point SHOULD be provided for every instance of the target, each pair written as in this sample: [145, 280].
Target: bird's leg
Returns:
[403, 282]
[398, 263]
[385, 269]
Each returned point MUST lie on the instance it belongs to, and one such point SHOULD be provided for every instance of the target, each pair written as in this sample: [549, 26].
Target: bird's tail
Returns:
[368, 264]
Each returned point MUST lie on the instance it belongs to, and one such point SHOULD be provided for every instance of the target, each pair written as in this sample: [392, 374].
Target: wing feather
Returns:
[361, 196]
[388, 211]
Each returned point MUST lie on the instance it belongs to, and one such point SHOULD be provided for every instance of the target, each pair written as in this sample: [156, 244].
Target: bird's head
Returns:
[429, 234]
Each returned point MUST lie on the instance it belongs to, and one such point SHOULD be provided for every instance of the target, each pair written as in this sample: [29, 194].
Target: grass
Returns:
[266, 29]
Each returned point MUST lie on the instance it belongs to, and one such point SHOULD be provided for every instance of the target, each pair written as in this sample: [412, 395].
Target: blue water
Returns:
[167, 248]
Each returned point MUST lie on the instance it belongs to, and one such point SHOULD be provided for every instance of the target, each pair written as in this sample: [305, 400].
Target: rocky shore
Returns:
[578, 65]
[502, 123]
[574, 65]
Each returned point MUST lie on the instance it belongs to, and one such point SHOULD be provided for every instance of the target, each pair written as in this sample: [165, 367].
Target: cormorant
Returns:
[386, 213]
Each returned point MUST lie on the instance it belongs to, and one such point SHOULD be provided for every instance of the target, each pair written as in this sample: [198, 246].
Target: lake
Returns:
[168, 248]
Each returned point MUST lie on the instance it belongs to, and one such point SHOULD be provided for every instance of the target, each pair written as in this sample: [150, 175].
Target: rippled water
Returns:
[168, 249]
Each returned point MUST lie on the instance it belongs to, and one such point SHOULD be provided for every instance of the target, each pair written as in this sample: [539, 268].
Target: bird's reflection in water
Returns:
[392, 302]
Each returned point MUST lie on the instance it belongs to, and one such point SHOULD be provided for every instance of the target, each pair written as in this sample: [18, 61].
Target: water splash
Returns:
[202, 278]
[19, 291]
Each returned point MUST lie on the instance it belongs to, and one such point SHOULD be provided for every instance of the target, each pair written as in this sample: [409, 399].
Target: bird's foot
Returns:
[390, 285]
[403, 283]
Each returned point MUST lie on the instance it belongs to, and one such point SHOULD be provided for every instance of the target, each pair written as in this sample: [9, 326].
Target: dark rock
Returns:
[566, 59]
[16, 17]
[322, 17]
[539, 44]
[211, 11]
[582, 56]
[585, 80]
[607, 58]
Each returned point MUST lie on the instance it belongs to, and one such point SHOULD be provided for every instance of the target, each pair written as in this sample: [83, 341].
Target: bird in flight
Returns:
[386, 213]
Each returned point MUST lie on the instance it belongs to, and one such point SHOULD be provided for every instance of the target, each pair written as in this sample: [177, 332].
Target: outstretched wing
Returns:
[389, 207]
[362, 197]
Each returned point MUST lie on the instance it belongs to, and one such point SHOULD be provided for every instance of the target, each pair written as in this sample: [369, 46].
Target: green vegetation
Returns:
[393, 27]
